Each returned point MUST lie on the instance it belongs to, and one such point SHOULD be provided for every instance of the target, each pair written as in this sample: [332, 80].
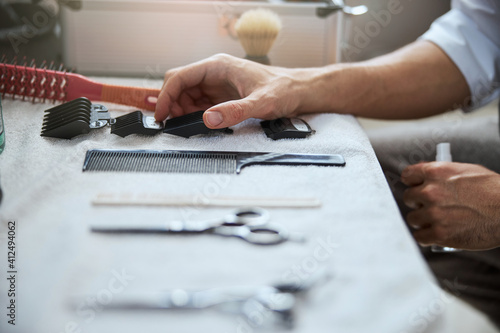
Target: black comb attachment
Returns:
[191, 124]
[135, 123]
[73, 118]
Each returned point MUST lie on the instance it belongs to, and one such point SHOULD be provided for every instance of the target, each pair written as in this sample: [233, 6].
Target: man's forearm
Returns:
[416, 81]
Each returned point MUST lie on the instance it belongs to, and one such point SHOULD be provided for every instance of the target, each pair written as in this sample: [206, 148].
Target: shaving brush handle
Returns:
[260, 59]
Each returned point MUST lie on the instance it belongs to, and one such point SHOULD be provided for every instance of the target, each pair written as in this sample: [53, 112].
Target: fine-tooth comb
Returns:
[47, 83]
[182, 161]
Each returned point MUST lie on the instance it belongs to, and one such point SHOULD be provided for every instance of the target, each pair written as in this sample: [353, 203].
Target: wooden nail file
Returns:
[159, 199]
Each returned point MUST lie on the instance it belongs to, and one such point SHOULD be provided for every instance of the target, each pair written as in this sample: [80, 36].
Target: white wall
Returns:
[388, 25]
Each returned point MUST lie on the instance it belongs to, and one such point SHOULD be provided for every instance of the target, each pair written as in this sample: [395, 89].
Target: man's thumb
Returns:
[227, 114]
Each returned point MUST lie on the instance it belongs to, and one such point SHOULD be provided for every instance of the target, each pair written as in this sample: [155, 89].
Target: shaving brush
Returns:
[257, 30]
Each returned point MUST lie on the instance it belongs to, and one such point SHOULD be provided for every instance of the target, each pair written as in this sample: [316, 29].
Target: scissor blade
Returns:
[229, 299]
[171, 227]
[126, 230]
[321, 276]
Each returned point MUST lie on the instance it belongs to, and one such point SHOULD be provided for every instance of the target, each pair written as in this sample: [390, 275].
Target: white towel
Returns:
[380, 280]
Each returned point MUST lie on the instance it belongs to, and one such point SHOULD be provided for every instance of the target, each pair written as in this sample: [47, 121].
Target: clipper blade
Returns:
[135, 123]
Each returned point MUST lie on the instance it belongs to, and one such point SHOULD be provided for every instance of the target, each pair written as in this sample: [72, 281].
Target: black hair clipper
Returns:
[191, 124]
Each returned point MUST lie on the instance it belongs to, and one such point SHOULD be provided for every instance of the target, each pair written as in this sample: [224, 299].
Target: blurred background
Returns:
[145, 38]
[411, 20]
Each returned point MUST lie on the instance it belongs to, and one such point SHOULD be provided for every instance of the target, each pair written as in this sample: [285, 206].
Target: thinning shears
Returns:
[249, 224]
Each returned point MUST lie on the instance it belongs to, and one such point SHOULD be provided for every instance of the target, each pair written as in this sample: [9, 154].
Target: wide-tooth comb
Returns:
[40, 84]
[135, 123]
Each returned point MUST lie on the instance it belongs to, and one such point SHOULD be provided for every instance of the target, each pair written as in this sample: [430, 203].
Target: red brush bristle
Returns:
[49, 83]
[37, 84]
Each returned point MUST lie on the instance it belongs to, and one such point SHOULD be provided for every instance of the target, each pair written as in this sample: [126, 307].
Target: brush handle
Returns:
[143, 98]
[44, 84]
[164, 199]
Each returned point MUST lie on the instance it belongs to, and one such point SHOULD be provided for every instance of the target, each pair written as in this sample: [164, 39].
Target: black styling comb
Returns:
[73, 118]
[186, 161]
[135, 123]
[191, 124]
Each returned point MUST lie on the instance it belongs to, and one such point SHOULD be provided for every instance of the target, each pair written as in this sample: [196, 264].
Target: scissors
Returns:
[257, 303]
[249, 224]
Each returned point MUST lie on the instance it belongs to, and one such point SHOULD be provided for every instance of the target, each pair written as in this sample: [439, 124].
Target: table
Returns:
[65, 273]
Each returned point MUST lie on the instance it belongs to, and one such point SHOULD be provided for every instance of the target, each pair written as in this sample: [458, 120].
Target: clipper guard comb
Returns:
[135, 123]
[191, 124]
[73, 118]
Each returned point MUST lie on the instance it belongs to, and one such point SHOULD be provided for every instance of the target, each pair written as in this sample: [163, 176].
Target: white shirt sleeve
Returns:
[470, 35]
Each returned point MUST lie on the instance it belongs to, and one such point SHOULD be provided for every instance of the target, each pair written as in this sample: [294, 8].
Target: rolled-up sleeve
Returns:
[470, 35]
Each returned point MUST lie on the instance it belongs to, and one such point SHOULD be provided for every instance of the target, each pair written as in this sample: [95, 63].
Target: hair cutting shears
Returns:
[260, 305]
[249, 224]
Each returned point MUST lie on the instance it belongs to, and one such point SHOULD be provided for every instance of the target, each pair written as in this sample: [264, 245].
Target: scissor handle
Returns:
[251, 224]
[247, 216]
[263, 234]
[266, 234]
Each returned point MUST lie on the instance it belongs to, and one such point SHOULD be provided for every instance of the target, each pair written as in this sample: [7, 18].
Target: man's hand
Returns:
[455, 205]
[230, 89]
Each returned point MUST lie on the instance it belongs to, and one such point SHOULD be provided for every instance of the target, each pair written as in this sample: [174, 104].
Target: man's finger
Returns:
[425, 237]
[419, 219]
[231, 113]
[174, 86]
[413, 175]
[412, 197]
[227, 114]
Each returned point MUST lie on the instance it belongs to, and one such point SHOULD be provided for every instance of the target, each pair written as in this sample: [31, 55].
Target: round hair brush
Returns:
[257, 30]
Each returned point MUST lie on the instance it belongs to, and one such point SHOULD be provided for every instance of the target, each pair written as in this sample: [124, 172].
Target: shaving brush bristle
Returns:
[257, 30]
